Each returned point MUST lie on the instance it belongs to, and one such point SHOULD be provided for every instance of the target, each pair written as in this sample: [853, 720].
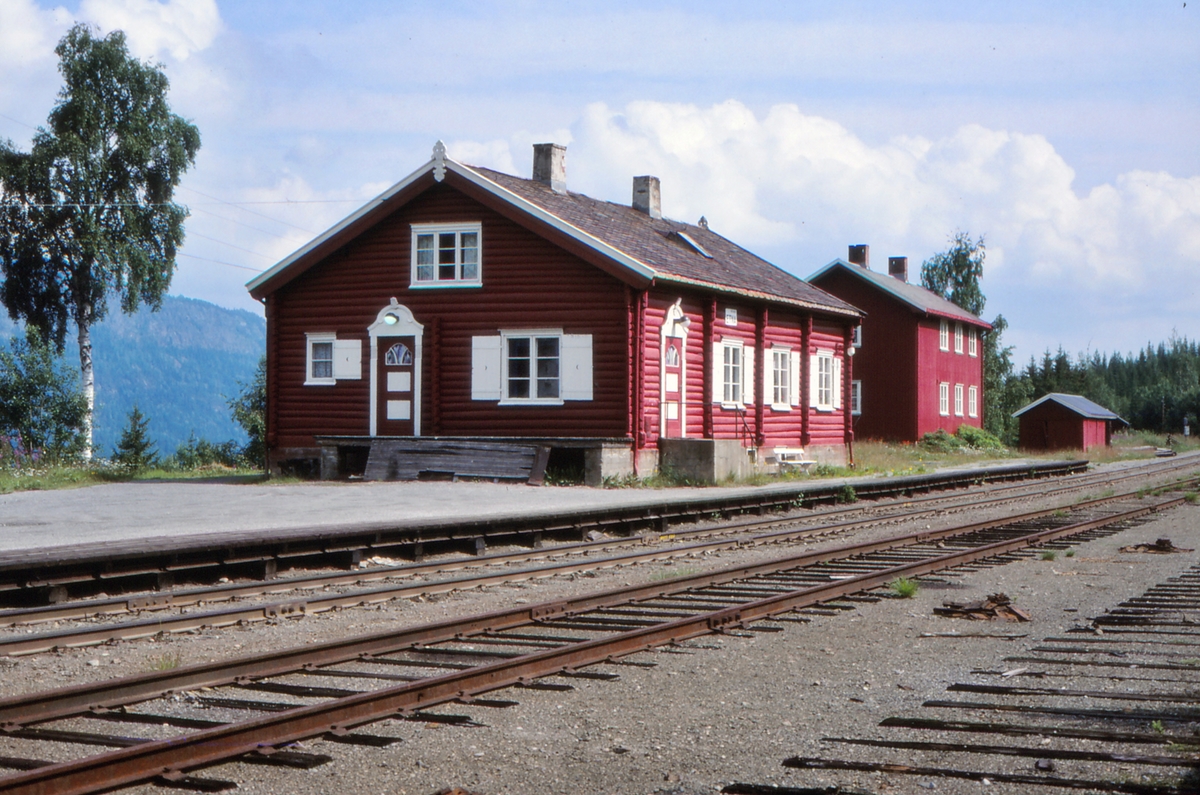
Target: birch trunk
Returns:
[89, 381]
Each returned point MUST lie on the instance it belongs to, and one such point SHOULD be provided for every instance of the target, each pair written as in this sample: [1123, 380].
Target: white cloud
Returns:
[177, 27]
[788, 179]
[28, 34]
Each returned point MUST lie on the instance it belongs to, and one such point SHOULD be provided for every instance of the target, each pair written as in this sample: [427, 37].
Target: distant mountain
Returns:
[180, 365]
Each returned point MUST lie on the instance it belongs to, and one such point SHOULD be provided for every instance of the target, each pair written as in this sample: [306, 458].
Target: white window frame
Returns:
[314, 338]
[958, 400]
[856, 338]
[782, 379]
[733, 390]
[973, 342]
[944, 336]
[436, 230]
[856, 398]
[958, 338]
[532, 335]
[944, 399]
[825, 387]
[972, 401]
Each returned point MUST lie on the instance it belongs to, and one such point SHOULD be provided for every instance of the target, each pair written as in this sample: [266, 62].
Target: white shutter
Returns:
[718, 371]
[347, 359]
[767, 379]
[747, 375]
[837, 382]
[575, 361]
[794, 386]
[814, 379]
[486, 355]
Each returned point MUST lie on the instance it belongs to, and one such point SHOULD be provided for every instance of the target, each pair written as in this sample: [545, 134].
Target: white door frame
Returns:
[675, 324]
[395, 320]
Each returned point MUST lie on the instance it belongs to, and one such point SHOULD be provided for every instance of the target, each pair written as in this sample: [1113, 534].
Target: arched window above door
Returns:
[398, 355]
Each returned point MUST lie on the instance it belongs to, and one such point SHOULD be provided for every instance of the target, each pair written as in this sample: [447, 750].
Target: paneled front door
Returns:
[395, 396]
[672, 371]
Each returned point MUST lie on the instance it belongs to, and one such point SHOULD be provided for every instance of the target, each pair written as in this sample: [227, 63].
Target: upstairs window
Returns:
[944, 336]
[958, 338]
[446, 256]
[973, 342]
[856, 339]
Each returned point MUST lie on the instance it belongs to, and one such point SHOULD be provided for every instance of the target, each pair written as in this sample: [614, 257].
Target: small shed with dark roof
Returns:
[1059, 421]
[470, 304]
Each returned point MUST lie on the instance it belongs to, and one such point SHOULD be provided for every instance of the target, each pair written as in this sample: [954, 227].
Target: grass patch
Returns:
[1070, 553]
[1192, 497]
[1049, 554]
[846, 494]
[675, 574]
[904, 588]
[167, 661]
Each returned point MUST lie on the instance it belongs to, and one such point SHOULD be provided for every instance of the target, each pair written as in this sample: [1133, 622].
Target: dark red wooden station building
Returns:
[918, 358]
[1059, 421]
[464, 303]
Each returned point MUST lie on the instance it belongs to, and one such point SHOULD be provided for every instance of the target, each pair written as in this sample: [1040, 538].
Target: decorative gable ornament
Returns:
[439, 161]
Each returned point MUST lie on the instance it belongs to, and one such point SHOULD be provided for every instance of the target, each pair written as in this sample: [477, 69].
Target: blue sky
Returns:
[1066, 134]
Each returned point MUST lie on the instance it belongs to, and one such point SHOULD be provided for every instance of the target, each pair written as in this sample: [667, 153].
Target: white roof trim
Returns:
[635, 265]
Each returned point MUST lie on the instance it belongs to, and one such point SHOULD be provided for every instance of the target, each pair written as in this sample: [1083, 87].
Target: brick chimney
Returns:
[550, 166]
[898, 267]
[647, 196]
[860, 255]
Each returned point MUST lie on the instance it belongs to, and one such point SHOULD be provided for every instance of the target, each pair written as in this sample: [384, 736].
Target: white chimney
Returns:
[550, 166]
[647, 196]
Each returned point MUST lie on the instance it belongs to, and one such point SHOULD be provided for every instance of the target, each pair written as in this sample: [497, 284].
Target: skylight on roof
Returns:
[699, 249]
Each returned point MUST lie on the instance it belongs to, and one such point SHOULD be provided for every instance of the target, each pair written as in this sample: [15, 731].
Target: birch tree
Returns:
[88, 213]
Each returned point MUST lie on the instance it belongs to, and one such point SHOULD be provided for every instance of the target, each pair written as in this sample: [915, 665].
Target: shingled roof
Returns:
[1077, 403]
[648, 249]
[914, 295]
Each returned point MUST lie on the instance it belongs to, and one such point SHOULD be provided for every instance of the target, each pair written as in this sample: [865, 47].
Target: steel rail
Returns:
[60, 703]
[184, 598]
[19, 645]
[45, 570]
[270, 584]
[193, 596]
[171, 757]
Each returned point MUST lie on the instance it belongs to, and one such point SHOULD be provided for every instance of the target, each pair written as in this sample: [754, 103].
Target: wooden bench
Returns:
[788, 458]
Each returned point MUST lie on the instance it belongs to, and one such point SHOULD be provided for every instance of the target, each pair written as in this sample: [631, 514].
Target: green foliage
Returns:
[955, 274]
[1156, 389]
[1049, 554]
[249, 410]
[941, 442]
[977, 438]
[42, 411]
[135, 451]
[88, 211]
[847, 494]
[904, 588]
[199, 453]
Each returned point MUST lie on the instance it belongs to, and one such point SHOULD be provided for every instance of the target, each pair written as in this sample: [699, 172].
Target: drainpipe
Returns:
[760, 374]
[805, 383]
[710, 325]
[847, 389]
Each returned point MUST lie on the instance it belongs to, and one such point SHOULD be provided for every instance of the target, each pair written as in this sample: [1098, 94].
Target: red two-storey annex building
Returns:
[919, 358]
[467, 303]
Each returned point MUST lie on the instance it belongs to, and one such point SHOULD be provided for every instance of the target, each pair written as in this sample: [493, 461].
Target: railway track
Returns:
[55, 575]
[738, 534]
[461, 661]
[1110, 707]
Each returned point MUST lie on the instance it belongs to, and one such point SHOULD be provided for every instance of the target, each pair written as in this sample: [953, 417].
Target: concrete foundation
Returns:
[607, 461]
[706, 460]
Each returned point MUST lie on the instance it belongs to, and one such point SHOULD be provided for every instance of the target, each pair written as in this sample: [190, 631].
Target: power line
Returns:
[231, 245]
[221, 262]
[252, 212]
